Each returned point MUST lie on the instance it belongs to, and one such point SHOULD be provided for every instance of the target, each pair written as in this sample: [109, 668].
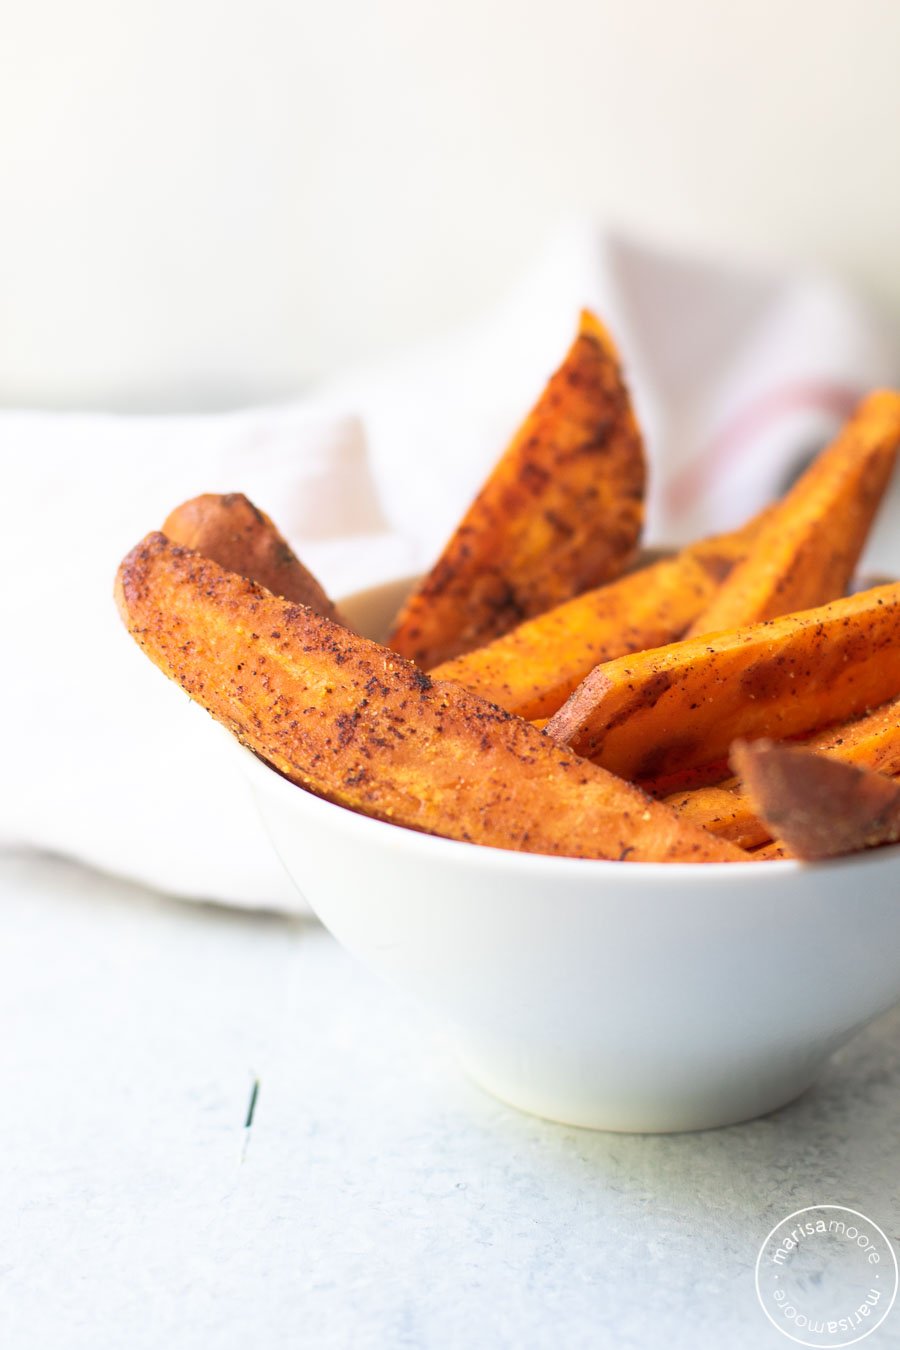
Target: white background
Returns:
[205, 202]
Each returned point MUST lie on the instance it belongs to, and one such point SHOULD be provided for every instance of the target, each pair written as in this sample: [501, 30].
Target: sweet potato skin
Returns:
[807, 551]
[661, 711]
[533, 669]
[234, 533]
[352, 721]
[872, 741]
[818, 807]
[562, 511]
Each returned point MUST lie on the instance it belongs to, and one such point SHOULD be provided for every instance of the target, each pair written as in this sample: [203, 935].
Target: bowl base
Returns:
[707, 1107]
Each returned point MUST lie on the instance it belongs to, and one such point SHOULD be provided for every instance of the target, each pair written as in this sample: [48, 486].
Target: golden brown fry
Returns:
[806, 553]
[770, 853]
[352, 721]
[663, 786]
[817, 806]
[724, 809]
[872, 741]
[233, 532]
[562, 511]
[533, 670]
[660, 711]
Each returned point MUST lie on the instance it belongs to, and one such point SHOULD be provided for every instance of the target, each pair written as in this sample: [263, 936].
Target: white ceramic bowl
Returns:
[622, 996]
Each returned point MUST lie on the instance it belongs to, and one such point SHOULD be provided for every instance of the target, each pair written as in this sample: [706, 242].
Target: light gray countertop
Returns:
[378, 1199]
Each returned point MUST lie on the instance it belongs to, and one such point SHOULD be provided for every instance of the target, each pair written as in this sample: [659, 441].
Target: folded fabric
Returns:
[105, 759]
[738, 379]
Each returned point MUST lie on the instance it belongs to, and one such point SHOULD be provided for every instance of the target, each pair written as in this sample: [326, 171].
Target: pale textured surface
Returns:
[379, 1199]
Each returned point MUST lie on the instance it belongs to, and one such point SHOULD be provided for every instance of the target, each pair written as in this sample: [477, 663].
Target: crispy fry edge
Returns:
[355, 723]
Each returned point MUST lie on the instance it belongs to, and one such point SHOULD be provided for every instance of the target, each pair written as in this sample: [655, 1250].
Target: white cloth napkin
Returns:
[738, 378]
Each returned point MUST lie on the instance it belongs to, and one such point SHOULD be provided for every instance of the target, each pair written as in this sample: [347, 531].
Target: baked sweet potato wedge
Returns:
[354, 722]
[871, 741]
[818, 807]
[773, 852]
[807, 551]
[533, 669]
[660, 711]
[724, 809]
[561, 512]
[233, 532]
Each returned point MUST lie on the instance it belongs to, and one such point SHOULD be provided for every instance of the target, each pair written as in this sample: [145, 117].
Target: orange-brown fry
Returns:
[807, 551]
[660, 711]
[233, 532]
[561, 512]
[352, 721]
[533, 669]
[871, 741]
[770, 853]
[818, 807]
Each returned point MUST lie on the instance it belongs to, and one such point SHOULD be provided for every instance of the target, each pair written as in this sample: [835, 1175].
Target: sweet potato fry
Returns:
[533, 670]
[817, 806]
[773, 852]
[871, 742]
[723, 809]
[806, 553]
[666, 785]
[233, 532]
[562, 511]
[352, 721]
[659, 711]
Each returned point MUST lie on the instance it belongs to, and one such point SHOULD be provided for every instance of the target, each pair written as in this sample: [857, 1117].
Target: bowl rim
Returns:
[555, 866]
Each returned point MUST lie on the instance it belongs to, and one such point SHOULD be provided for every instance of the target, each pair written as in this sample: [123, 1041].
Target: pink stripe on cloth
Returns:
[730, 445]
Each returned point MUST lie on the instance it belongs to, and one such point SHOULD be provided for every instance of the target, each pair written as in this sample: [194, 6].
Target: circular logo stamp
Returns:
[826, 1275]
